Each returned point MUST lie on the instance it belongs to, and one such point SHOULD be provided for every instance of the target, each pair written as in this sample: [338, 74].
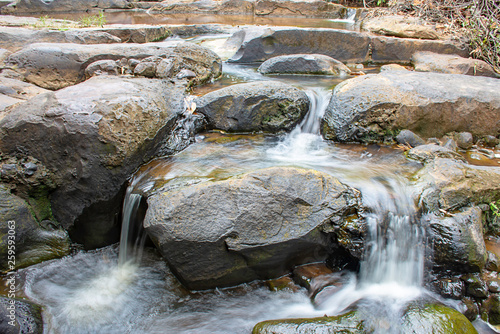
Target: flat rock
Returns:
[400, 26]
[92, 136]
[257, 44]
[453, 64]
[259, 106]
[204, 7]
[220, 233]
[19, 89]
[15, 38]
[304, 64]
[449, 184]
[429, 152]
[58, 65]
[135, 33]
[68, 6]
[372, 107]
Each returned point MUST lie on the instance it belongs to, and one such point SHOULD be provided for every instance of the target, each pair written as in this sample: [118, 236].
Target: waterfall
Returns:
[129, 247]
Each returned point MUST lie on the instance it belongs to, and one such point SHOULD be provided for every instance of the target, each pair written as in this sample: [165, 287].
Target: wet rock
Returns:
[318, 8]
[27, 318]
[450, 287]
[258, 106]
[304, 275]
[491, 309]
[348, 323]
[491, 262]
[452, 64]
[429, 152]
[55, 66]
[92, 136]
[471, 308]
[493, 285]
[101, 67]
[464, 140]
[475, 286]
[458, 242]
[34, 242]
[371, 107]
[218, 233]
[400, 26]
[449, 184]
[407, 137]
[68, 6]
[257, 44]
[435, 318]
[304, 64]
[15, 38]
[282, 283]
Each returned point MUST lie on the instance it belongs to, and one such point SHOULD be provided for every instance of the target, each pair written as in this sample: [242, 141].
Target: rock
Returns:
[4, 53]
[493, 285]
[449, 185]
[282, 283]
[257, 44]
[38, 61]
[464, 140]
[186, 74]
[450, 287]
[490, 141]
[304, 8]
[34, 242]
[7, 101]
[19, 89]
[15, 38]
[392, 67]
[258, 106]
[400, 26]
[27, 317]
[429, 152]
[136, 33]
[305, 275]
[371, 107]
[435, 318]
[218, 233]
[304, 64]
[471, 309]
[407, 137]
[491, 307]
[491, 263]
[92, 136]
[146, 69]
[457, 242]
[475, 286]
[224, 7]
[191, 30]
[348, 323]
[452, 64]
[101, 67]
[68, 6]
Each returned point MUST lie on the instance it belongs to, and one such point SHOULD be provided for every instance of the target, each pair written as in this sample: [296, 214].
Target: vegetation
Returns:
[97, 20]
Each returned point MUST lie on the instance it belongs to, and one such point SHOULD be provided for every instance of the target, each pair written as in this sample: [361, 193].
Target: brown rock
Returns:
[400, 26]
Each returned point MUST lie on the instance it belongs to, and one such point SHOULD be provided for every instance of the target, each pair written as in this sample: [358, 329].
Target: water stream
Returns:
[112, 290]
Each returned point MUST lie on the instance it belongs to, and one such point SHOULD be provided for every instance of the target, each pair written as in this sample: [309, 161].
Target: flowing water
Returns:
[111, 291]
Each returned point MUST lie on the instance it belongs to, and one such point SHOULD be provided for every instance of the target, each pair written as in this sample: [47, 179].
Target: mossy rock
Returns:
[348, 323]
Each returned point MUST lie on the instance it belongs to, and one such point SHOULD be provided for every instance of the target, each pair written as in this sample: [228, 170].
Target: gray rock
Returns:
[34, 242]
[42, 6]
[254, 226]
[92, 136]
[492, 263]
[407, 137]
[475, 286]
[185, 74]
[490, 141]
[450, 287]
[15, 38]
[225, 7]
[27, 318]
[101, 67]
[19, 89]
[135, 33]
[259, 106]
[457, 241]
[452, 64]
[55, 66]
[307, 8]
[304, 64]
[146, 69]
[449, 184]
[371, 107]
[392, 67]
[400, 26]
[464, 140]
[257, 44]
[429, 152]
[7, 101]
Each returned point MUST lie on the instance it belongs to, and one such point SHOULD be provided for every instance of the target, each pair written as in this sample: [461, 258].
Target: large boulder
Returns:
[452, 64]
[67, 6]
[15, 38]
[457, 242]
[449, 184]
[373, 107]
[257, 44]
[304, 64]
[254, 226]
[259, 106]
[400, 26]
[19, 316]
[58, 65]
[92, 136]
[32, 242]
